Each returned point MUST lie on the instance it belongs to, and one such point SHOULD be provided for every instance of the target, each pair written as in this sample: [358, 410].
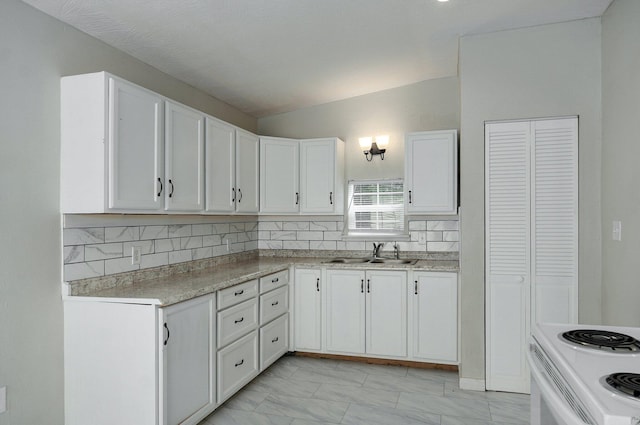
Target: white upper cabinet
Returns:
[302, 176]
[184, 169]
[321, 176]
[431, 172]
[247, 175]
[279, 164]
[220, 166]
[112, 152]
[232, 161]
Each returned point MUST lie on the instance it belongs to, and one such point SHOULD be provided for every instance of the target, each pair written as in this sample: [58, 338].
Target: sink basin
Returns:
[348, 260]
[392, 261]
[370, 261]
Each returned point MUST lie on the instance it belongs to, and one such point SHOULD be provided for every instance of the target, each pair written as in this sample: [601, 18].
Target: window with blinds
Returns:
[376, 207]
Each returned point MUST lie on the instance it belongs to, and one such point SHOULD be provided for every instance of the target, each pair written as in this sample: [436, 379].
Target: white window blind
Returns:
[376, 207]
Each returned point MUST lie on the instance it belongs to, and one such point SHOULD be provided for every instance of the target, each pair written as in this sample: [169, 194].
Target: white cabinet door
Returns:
[188, 347]
[345, 311]
[135, 147]
[184, 169]
[435, 316]
[317, 176]
[431, 172]
[220, 166]
[386, 305]
[307, 320]
[279, 191]
[247, 174]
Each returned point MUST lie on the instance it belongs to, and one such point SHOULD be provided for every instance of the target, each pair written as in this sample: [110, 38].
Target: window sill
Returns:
[376, 237]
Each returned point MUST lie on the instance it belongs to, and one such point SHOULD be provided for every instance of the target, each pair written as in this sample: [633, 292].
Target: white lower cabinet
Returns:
[274, 341]
[307, 310]
[366, 312]
[138, 363]
[188, 368]
[237, 365]
[434, 315]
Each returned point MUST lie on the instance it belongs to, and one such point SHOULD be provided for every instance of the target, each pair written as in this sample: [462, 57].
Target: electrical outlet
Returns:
[616, 234]
[135, 255]
[3, 399]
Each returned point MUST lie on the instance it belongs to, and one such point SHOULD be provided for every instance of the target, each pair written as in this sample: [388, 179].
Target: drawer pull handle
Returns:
[239, 320]
[240, 363]
[274, 340]
[238, 293]
[275, 280]
[274, 304]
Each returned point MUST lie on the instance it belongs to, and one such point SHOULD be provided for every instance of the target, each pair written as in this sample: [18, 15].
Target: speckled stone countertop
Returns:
[174, 288]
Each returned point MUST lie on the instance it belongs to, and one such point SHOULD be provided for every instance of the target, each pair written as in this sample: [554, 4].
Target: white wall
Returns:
[429, 105]
[35, 51]
[620, 154]
[543, 71]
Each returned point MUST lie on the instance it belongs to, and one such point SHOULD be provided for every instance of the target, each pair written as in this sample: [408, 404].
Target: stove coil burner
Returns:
[603, 340]
[626, 383]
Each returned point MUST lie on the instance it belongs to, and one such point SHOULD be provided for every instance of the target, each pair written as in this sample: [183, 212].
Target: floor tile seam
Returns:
[451, 415]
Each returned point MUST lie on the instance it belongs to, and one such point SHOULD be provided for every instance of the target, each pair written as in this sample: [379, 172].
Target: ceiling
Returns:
[270, 56]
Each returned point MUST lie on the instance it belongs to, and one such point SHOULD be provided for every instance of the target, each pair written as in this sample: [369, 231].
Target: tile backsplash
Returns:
[101, 245]
[106, 249]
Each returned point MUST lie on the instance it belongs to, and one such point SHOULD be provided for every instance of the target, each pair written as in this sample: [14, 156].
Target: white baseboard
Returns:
[472, 384]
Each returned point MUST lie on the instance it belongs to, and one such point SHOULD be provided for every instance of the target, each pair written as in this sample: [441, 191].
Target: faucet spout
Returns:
[376, 249]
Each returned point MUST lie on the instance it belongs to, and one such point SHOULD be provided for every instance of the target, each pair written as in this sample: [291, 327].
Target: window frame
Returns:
[370, 234]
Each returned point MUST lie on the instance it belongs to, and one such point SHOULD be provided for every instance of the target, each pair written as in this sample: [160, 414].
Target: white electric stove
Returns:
[584, 374]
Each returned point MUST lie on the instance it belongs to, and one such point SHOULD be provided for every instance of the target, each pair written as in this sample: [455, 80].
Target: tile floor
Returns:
[306, 391]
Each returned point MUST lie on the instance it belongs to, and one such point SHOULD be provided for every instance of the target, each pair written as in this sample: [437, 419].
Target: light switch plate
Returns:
[3, 399]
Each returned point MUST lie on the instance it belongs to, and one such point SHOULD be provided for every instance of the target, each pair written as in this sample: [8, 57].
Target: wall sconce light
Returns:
[373, 147]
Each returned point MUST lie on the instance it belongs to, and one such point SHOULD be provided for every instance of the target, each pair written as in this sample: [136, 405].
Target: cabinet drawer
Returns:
[273, 304]
[236, 321]
[237, 365]
[236, 294]
[274, 341]
[273, 281]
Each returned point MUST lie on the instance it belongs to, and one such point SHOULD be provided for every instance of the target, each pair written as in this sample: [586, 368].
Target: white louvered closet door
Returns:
[531, 239]
[554, 212]
[507, 254]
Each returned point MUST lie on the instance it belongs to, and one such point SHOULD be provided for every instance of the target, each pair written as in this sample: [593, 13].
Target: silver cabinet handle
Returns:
[240, 320]
[240, 363]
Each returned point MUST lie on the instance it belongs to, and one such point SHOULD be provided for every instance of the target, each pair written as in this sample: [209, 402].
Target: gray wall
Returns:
[620, 154]
[429, 105]
[543, 71]
[35, 51]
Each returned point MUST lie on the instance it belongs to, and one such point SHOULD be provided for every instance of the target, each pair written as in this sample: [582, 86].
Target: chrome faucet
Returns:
[376, 249]
[396, 250]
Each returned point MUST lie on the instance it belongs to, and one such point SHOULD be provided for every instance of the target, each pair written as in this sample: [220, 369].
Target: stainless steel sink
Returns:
[392, 261]
[370, 261]
[348, 260]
